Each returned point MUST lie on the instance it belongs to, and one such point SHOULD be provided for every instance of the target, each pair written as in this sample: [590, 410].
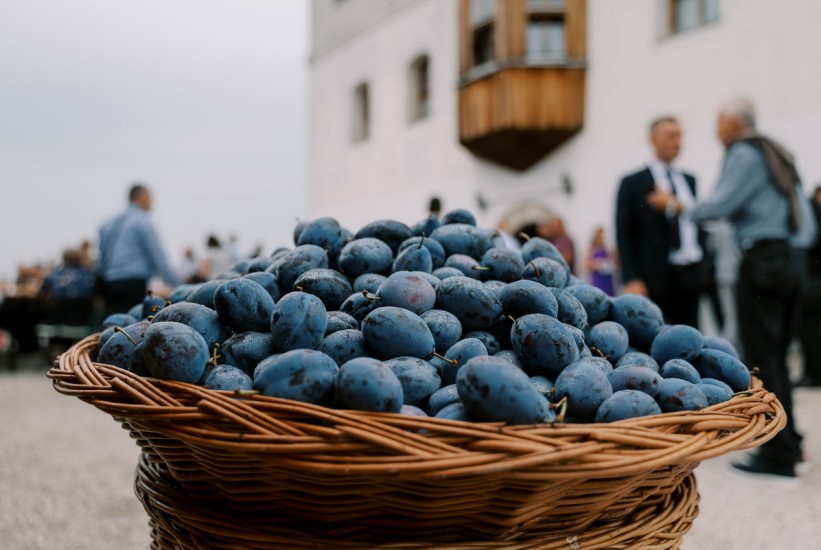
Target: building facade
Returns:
[389, 107]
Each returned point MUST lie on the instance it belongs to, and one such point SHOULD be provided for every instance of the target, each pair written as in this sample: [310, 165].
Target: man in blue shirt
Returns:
[759, 193]
[130, 254]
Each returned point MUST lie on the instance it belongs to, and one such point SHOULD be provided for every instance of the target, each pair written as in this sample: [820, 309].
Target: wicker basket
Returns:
[179, 521]
[394, 477]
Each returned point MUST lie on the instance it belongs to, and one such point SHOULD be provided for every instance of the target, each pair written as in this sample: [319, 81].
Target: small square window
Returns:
[361, 112]
[419, 88]
[546, 40]
[690, 14]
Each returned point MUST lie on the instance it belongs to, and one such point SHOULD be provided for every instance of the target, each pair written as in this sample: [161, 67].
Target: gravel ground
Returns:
[68, 469]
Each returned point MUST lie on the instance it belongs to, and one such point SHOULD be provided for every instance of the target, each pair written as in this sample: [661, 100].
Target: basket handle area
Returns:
[312, 437]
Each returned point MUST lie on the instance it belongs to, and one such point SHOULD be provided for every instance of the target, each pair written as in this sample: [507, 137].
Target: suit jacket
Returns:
[642, 233]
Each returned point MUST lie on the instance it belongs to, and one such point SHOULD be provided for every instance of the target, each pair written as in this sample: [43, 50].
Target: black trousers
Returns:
[809, 328]
[768, 284]
[679, 302]
[120, 296]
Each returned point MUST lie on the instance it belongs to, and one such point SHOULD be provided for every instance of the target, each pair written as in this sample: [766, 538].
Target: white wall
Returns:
[767, 51]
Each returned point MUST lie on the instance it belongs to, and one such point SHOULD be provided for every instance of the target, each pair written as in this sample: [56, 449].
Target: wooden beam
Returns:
[576, 28]
[465, 37]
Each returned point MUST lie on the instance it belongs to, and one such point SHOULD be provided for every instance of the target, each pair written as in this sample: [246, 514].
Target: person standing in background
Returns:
[217, 258]
[809, 325]
[600, 263]
[660, 252]
[553, 230]
[759, 191]
[130, 254]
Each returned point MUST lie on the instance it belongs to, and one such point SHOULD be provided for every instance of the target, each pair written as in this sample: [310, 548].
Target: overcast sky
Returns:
[204, 100]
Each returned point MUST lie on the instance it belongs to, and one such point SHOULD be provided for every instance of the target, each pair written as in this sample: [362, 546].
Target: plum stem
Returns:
[524, 235]
[453, 362]
[600, 352]
[369, 296]
[562, 407]
[130, 339]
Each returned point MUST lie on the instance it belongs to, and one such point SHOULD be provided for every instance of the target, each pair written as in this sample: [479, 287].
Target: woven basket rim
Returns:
[311, 438]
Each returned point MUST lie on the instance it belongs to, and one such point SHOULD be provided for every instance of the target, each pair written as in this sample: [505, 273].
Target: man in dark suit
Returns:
[660, 252]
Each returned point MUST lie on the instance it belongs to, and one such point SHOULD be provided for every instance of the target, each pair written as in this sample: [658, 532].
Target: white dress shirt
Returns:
[690, 251]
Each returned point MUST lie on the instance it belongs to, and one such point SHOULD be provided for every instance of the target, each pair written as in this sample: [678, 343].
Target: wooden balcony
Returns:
[518, 115]
[517, 108]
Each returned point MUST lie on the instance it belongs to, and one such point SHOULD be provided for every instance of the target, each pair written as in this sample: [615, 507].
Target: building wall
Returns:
[764, 50]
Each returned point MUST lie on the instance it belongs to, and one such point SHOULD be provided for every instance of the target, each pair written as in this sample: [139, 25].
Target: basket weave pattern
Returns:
[389, 475]
[181, 522]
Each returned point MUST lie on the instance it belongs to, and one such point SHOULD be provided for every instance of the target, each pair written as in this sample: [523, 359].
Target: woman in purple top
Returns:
[600, 263]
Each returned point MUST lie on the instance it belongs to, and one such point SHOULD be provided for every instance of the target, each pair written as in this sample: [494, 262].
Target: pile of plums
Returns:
[440, 319]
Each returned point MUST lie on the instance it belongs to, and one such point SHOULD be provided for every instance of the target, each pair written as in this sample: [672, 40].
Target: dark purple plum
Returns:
[395, 332]
[470, 301]
[340, 321]
[365, 255]
[523, 297]
[174, 351]
[298, 322]
[491, 389]
[344, 345]
[624, 404]
[677, 395]
[326, 284]
[544, 344]
[418, 377]
[445, 328]
[407, 290]
[227, 377]
[635, 377]
[243, 305]
[586, 388]
[304, 375]
[459, 354]
[246, 349]
[366, 384]
[391, 232]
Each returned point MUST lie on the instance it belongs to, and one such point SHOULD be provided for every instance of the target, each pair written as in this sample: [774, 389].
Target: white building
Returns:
[388, 79]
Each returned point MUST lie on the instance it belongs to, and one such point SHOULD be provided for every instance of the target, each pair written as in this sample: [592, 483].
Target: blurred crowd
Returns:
[65, 292]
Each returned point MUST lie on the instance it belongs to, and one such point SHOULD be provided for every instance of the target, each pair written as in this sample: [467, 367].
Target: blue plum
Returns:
[409, 291]
[586, 387]
[243, 305]
[246, 349]
[544, 344]
[365, 255]
[299, 321]
[304, 375]
[445, 328]
[470, 301]
[395, 332]
[227, 377]
[677, 395]
[419, 378]
[174, 351]
[368, 385]
[492, 389]
[624, 404]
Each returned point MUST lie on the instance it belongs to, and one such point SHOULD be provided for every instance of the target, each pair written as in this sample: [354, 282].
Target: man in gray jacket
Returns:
[759, 192]
[130, 254]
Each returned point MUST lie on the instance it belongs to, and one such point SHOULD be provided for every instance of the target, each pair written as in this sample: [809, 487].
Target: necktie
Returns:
[672, 219]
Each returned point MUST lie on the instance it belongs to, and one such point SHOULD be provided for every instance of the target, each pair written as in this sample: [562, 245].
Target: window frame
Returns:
[673, 23]
[361, 112]
[419, 104]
